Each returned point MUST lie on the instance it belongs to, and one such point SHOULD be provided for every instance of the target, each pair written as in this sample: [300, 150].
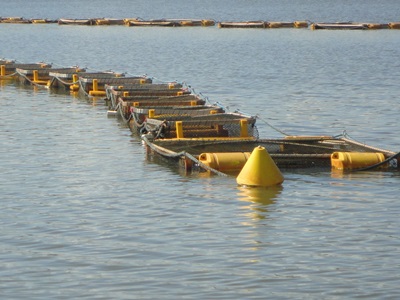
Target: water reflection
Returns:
[260, 198]
[349, 175]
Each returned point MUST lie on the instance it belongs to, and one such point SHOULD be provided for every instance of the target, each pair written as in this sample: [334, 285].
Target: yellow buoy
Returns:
[260, 170]
[355, 160]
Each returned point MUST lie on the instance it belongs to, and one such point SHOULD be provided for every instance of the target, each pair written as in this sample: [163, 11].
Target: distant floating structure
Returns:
[136, 22]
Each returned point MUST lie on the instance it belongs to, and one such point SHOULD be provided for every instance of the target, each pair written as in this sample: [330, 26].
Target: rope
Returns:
[30, 81]
[83, 89]
[273, 127]
[10, 75]
[194, 159]
[346, 137]
[185, 154]
[65, 82]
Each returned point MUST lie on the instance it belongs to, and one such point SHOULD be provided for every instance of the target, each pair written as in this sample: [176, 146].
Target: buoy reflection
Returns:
[260, 198]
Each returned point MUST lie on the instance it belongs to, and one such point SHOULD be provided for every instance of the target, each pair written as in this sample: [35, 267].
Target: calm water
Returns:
[84, 214]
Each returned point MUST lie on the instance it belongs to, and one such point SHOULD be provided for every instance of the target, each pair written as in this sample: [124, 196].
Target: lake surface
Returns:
[84, 214]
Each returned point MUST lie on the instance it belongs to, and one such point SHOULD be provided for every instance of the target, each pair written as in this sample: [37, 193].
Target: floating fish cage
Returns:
[97, 86]
[138, 115]
[40, 75]
[287, 153]
[124, 104]
[11, 68]
[64, 79]
[212, 125]
[114, 91]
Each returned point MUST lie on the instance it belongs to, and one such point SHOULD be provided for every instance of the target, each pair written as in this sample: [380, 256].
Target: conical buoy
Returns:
[260, 170]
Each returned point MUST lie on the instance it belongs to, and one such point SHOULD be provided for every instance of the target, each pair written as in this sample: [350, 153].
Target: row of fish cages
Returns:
[187, 129]
[208, 23]
[112, 21]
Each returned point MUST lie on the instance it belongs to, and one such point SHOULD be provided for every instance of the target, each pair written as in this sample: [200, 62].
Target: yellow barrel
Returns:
[3, 70]
[225, 161]
[355, 160]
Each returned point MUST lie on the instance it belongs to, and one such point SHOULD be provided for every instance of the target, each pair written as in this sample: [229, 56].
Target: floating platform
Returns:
[246, 24]
[158, 23]
[76, 22]
[41, 75]
[96, 85]
[107, 21]
[339, 26]
[125, 104]
[226, 125]
[143, 91]
[299, 153]
[15, 20]
[169, 22]
[9, 68]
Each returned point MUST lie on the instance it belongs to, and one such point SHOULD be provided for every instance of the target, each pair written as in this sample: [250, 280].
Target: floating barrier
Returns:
[206, 23]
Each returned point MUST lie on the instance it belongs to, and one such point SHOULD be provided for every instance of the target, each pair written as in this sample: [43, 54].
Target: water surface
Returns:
[86, 215]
